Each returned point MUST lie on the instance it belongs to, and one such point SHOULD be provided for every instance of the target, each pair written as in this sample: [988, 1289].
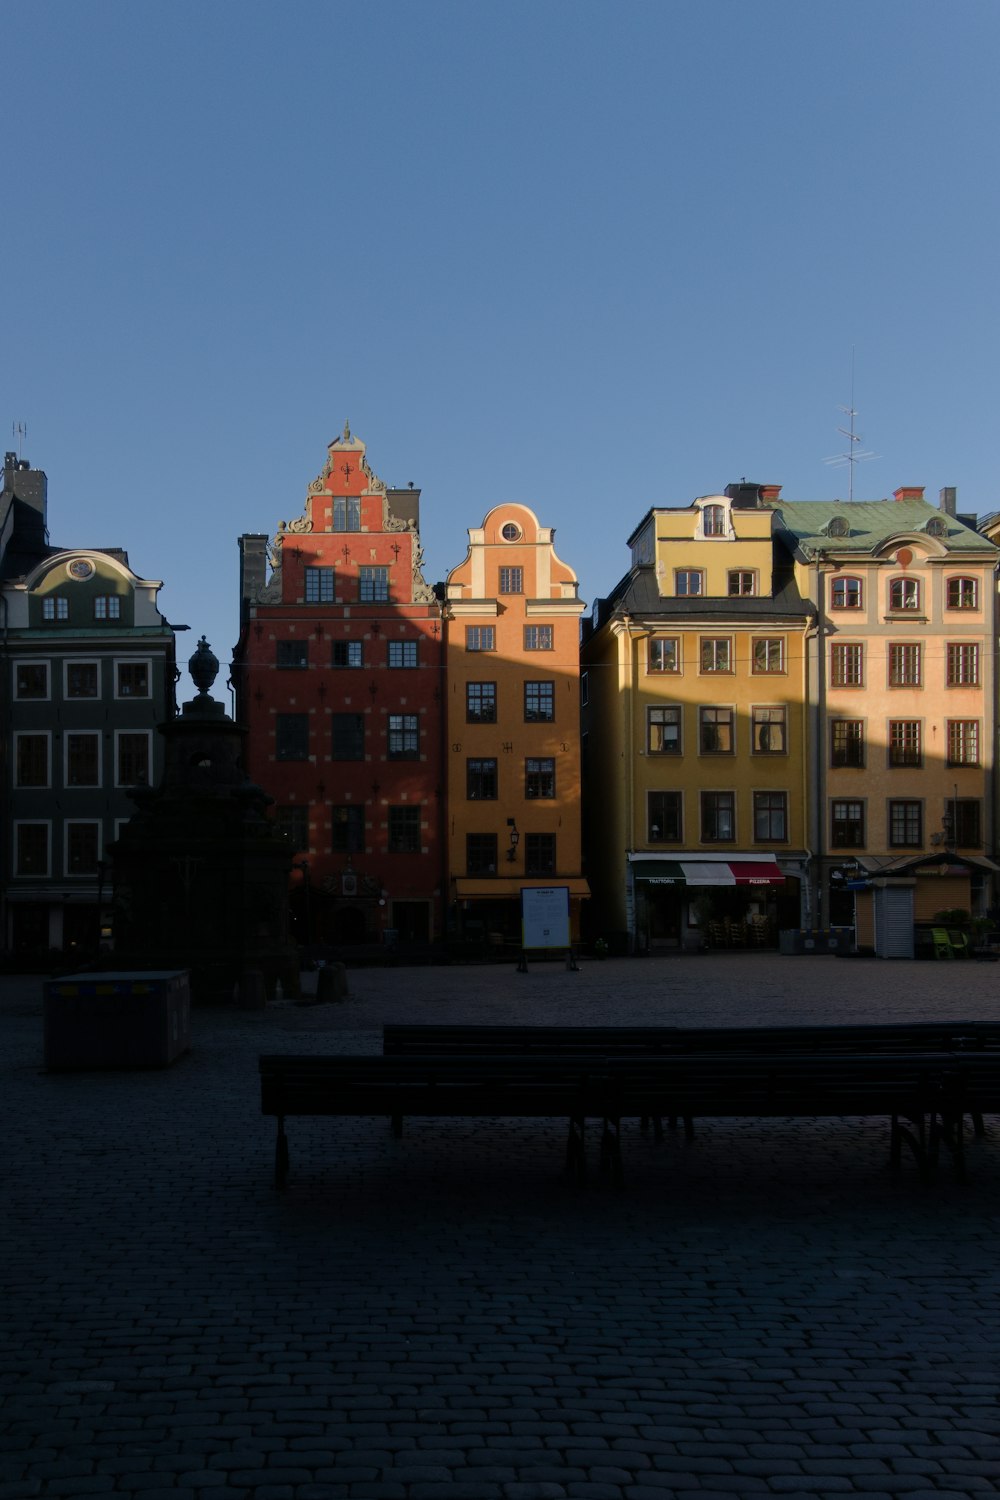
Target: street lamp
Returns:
[515, 839]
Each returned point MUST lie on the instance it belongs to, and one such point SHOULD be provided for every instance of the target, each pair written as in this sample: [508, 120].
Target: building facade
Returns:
[88, 673]
[513, 725]
[339, 680]
[695, 733]
[902, 693]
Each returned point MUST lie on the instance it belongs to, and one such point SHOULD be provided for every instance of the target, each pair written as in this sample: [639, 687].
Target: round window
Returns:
[80, 567]
[511, 533]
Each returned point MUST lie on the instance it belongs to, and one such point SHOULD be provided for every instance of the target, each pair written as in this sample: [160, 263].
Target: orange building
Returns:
[512, 747]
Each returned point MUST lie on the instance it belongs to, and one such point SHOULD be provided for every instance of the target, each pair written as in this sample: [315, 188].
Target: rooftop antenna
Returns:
[19, 431]
[854, 454]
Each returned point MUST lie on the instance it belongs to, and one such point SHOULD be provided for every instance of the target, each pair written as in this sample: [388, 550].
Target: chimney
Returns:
[253, 567]
[769, 494]
[948, 500]
[909, 492]
[746, 496]
[29, 488]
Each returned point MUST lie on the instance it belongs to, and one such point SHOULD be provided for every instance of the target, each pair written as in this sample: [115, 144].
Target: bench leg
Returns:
[949, 1128]
[576, 1161]
[913, 1133]
[281, 1155]
[611, 1151]
[396, 1126]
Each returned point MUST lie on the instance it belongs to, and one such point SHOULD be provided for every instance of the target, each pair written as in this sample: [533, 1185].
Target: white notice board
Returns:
[545, 916]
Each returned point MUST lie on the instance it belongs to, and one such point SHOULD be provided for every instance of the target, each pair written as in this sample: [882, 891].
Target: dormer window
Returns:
[936, 526]
[904, 594]
[838, 526]
[713, 520]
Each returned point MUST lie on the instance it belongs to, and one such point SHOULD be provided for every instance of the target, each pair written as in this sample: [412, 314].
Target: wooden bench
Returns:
[534, 1087]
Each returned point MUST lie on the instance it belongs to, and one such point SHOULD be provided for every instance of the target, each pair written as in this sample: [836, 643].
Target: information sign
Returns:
[545, 917]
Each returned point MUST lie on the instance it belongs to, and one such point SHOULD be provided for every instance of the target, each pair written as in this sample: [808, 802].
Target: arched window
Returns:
[963, 593]
[713, 520]
[845, 593]
[904, 593]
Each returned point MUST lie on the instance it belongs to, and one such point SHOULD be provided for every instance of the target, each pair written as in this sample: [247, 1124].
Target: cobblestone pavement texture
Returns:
[763, 1311]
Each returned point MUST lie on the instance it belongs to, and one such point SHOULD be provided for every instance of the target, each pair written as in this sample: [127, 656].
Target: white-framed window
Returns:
[81, 846]
[962, 593]
[511, 581]
[108, 607]
[713, 520]
[904, 594]
[664, 654]
[688, 582]
[345, 513]
[963, 742]
[716, 653]
[133, 757]
[55, 607]
[32, 847]
[32, 758]
[133, 679]
[81, 679]
[82, 758]
[31, 681]
[963, 664]
[769, 654]
[741, 583]
[905, 743]
[905, 663]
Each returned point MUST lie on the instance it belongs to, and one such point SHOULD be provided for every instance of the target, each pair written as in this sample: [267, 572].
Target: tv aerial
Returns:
[855, 454]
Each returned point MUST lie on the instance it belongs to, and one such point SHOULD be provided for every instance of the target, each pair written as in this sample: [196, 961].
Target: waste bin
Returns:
[117, 1020]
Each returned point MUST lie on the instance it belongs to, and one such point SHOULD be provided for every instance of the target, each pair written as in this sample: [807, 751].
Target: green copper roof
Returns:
[870, 524]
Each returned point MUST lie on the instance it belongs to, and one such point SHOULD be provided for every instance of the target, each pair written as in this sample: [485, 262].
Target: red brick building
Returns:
[339, 678]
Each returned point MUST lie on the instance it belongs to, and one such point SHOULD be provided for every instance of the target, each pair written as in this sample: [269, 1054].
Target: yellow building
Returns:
[512, 747]
[902, 688]
[695, 733]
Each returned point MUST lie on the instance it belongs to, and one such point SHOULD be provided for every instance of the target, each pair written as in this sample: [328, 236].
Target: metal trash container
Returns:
[117, 1020]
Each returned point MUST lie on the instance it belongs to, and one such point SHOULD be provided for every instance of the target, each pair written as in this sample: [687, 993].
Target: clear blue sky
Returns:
[591, 257]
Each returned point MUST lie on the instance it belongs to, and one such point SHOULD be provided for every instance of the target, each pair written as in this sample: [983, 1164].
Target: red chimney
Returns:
[769, 493]
[909, 492]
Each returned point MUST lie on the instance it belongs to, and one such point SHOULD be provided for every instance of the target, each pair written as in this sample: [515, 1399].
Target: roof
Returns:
[871, 524]
[637, 594]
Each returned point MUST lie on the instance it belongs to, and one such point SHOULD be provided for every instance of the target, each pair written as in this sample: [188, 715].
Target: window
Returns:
[539, 702]
[31, 846]
[847, 825]
[963, 666]
[82, 679]
[510, 532]
[538, 637]
[348, 654]
[539, 854]
[83, 759]
[847, 742]
[402, 653]
[663, 817]
[769, 654]
[293, 654]
[293, 823]
[347, 827]
[845, 593]
[480, 638]
[904, 593]
[847, 665]
[511, 580]
[31, 760]
[346, 514]
[404, 830]
[770, 817]
[962, 593]
[481, 702]
[905, 662]
[404, 737]
[688, 582]
[539, 778]
[905, 825]
[904, 742]
[963, 742]
[373, 585]
[742, 583]
[664, 654]
[319, 585]
[31, 679]
[348, 737]
[716, 654]
[716, 731]
[713, 520]
[717, 817]
[664, 730]
[291, 741]
[962, 819]
[83, 848]
[55, 608]
[107, 607]
[481, 780]
[132, 758]
[769, 731]
[480, 853]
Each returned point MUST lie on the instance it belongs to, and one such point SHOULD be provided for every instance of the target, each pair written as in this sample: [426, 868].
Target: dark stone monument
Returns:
[200, 874]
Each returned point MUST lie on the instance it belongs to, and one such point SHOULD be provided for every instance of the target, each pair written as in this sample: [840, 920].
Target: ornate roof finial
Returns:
[347, 432]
